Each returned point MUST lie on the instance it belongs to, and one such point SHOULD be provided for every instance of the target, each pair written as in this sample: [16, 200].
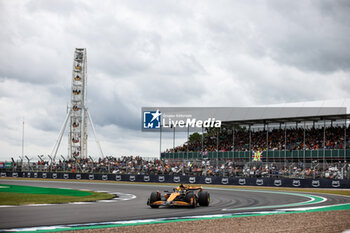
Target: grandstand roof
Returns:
[344, 103]
[288, 119]
[337, 109]
[277, 113]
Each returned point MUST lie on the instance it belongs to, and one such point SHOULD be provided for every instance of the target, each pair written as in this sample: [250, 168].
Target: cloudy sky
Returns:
[161, 53]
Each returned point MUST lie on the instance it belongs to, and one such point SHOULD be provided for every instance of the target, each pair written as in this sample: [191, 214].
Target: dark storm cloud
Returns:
[118, 101]
[309, 35]
[113, 111]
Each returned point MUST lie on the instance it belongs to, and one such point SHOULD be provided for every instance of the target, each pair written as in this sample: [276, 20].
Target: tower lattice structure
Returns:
[77, 115]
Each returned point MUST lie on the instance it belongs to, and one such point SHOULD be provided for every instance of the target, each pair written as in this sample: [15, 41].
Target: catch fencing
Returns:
[215, 180]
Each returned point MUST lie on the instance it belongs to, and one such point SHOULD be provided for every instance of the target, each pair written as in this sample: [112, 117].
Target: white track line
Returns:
[313, 207]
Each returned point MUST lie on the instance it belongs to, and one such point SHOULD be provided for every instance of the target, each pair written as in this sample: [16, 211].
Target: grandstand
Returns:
[316, 137]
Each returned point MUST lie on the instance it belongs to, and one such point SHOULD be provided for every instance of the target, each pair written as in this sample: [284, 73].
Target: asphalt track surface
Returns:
[233, 200]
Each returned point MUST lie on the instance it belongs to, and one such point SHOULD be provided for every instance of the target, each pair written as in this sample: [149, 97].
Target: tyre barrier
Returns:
[274, 182]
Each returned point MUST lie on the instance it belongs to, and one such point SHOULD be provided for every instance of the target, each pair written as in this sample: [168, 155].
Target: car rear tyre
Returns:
[203, 198]
[155, 196]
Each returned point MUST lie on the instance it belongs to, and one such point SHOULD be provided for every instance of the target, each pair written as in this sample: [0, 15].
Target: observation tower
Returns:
[77, 113]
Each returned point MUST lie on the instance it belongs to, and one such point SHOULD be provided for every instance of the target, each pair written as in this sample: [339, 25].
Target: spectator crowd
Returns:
[227, 168]
[278, 139]
[222, 141]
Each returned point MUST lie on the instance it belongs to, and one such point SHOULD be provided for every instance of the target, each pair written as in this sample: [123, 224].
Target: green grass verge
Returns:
[21, 195]
[10, 188]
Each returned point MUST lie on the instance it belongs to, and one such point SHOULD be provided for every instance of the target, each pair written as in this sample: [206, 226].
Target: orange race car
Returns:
[181, 196]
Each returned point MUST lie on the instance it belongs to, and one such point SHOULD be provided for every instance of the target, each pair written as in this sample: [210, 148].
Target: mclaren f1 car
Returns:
[185, 196]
